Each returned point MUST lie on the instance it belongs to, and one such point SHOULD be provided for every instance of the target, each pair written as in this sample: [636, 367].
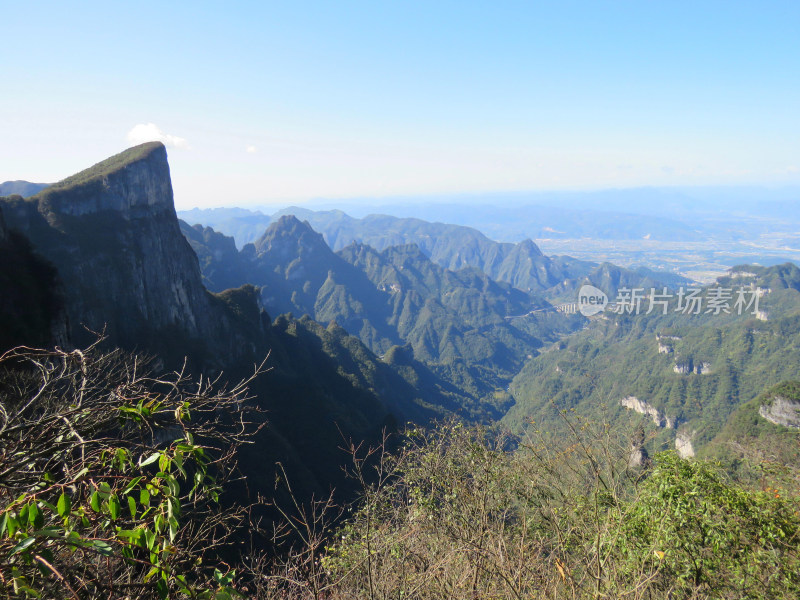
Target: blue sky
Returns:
[276, 102]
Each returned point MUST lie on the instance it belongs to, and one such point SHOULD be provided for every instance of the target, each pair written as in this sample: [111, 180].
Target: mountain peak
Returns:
[292, 231]
[529, 246]
[134, 181]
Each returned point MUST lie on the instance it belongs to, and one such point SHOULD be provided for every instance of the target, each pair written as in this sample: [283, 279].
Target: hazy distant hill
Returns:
[629, 213]
[610, 278]
[21, 188]
[243, 225]
[451, 246]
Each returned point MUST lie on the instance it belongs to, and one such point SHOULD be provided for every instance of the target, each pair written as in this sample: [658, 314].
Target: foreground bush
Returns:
[110, 477]
[457, 514]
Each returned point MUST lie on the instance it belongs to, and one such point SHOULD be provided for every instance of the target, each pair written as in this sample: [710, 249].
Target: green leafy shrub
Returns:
[703, 533]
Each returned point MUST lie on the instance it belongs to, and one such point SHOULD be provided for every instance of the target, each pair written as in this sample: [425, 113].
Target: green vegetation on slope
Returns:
[455, 322]
[694, 370]
[755, 448]
[102, 169]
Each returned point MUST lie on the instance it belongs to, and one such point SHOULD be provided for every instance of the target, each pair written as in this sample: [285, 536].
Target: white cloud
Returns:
[149, 132]
[251, 149]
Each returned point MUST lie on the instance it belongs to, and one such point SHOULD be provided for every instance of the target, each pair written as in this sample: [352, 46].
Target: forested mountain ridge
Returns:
[685, 373]
[456, 322]
[450, 246]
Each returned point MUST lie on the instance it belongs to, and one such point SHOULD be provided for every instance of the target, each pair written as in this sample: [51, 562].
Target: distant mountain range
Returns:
[522, 264]
[690, 231]
[659, 214]
[469, 328]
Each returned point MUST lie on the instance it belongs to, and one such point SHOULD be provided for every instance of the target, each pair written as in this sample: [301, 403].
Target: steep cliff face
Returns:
[113, 235]
[645, 408]
[31, 311]
[133, 184]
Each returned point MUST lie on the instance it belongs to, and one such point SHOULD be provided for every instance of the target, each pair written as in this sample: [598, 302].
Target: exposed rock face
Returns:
[113, 235]
[742, 274]
[644, 408]
[134, 183]
[664, 349]
[702, 368]
[683, 367]
[781, 411]
[683, 444]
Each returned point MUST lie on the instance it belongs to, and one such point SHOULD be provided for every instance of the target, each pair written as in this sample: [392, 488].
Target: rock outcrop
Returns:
[125, 268]
[781, 411]
[684, 367]
[702, 368]
[644, 408]
[683, 444]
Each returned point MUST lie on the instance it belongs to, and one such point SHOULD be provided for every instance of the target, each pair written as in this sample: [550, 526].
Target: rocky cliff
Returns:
[31, 310]
[780, 410]
[112, 233]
